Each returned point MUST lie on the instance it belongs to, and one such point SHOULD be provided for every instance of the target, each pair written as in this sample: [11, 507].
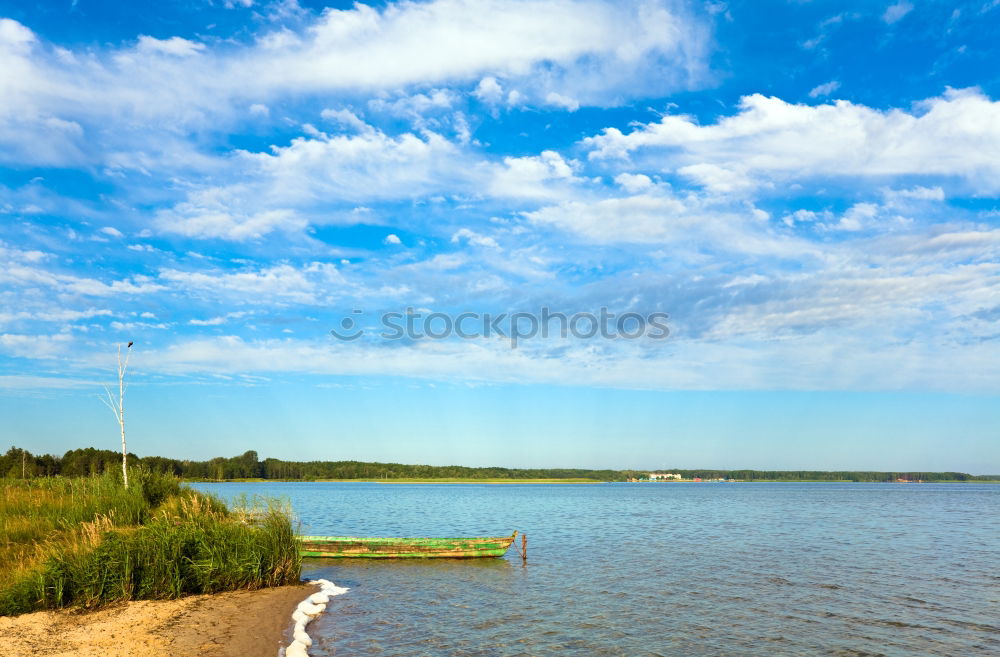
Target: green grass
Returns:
[90, 541]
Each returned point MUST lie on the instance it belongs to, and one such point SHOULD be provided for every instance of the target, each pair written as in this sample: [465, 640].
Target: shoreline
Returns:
[228, 624]
[572, 481]
[400, 480]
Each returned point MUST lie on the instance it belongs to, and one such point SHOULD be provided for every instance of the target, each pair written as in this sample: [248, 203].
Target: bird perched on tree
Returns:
[129, 346]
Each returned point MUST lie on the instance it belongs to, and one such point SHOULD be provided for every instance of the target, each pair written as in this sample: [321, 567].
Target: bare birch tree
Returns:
[118, 406]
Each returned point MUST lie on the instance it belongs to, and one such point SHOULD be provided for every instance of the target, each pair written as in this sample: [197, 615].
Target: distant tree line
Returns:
[89, 461]
[80, 462]
[826, 475]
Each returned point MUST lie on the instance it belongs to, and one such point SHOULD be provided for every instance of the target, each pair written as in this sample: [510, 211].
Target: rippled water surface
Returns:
[663, 569]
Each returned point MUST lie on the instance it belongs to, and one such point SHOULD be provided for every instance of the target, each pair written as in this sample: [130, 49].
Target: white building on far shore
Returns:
[660, 476]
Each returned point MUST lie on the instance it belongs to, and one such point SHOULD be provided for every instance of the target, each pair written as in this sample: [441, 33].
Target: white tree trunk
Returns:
[121, 406]
[121, 413]
[118, 407]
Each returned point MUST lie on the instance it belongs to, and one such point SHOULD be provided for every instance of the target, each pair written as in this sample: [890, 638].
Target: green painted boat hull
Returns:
[355, 547]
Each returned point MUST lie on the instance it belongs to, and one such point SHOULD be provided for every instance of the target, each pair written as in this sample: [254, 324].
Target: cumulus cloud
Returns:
[956, 135]
[429, 42]
[474, 238]
[53, 95]
[206, 217]
[559, 100]
[286, 189]
[14, 37]
[416, 106]
[718, 179]
[663, 219]
[662, 215]
[634, 182]
[857, 216]
[489, 90]
[346, 118]
[371, 165]
[534, 176]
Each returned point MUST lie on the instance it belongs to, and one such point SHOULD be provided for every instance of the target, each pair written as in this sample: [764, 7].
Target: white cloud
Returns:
[717, 179]
[13, 382]
[20, 275]
[896, 12]
[321, 179]
[634, 182]
[474, 238]
[915, 193]
[955, 135]
[58, 315]
[857, 217]
[535, 176]
[430, 42]
[356, 168]
[392, 239]
[824, 89]
[744, 364]
[317, 180]
[416, 106]
[194, 219]
[347, 118]
[880, 270]
[175, 46]
[280, 284]
[489, 90]
[14, 37]
[137, 326]
[802, 216]
[588, 51]
[560, 100]
[35, 346]
[218, 321]
[659, 219]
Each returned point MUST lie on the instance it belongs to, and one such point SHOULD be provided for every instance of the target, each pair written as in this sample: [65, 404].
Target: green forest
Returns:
[18, 463]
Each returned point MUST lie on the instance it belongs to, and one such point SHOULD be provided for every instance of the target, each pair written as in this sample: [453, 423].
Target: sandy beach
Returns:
[240, 624]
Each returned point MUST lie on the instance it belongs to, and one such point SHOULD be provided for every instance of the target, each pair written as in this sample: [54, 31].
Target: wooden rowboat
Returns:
[400, 548]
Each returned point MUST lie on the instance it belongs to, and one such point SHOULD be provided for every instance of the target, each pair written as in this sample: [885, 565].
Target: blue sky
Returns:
[808, 189]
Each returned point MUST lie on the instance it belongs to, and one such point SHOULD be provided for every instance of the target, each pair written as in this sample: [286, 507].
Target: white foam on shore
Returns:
[307, 610]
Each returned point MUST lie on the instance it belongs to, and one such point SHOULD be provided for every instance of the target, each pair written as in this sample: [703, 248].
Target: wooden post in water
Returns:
[524, 548]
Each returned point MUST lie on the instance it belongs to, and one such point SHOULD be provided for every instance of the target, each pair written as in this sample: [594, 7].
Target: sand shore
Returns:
[237, 624]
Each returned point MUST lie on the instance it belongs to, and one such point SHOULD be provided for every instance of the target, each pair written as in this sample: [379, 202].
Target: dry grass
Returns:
[90, 541]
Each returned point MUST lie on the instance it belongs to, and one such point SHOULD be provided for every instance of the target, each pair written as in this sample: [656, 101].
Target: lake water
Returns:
[662, 569]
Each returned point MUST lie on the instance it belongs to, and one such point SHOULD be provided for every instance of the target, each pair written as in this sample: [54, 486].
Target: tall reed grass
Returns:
[89, 541]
